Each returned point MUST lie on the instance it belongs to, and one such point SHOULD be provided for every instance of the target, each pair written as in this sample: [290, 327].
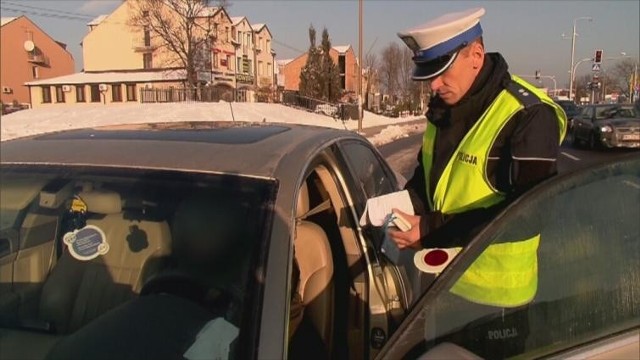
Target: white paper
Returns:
[213, 341]
[377, 208]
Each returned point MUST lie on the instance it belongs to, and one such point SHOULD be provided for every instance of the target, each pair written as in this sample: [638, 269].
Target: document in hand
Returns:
[378, 212]
[378, 208]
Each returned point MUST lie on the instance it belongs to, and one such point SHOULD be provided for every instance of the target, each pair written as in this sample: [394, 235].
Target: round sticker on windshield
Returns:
[86, 243]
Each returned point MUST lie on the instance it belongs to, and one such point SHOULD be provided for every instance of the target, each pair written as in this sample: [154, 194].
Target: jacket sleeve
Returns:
[533, 143]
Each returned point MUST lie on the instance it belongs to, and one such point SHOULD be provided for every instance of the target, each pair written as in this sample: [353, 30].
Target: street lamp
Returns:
[573, 49]
[573, 75]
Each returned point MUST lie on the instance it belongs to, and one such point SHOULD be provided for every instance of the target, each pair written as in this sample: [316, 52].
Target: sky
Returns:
[529, 34]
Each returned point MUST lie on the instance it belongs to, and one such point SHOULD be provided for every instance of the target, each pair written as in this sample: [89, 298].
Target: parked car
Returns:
[204, 240]
[571, 109]
[607, 125]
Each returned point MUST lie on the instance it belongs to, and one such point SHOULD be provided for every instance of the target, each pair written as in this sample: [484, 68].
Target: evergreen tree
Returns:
[310, 83]
[330, 75]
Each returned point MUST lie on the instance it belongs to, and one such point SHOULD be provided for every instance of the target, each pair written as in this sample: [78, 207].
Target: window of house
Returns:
[248, 39]
[59, 94]
[147, 37]
[239, 64]
[80, 97]
[116, 93]
[343, 82]
[34, 72]
[147, 61]
[215, 60]
[226, 30]
[260, 68]
[341, 64]
[131, 92]
[268, 49]
[229, 62]
[249, 67]
[46, 94]
[269, 69]
[95, 93]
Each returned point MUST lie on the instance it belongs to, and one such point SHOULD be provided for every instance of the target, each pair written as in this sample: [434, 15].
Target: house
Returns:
[139, 64]
[28, 53]
[343, 56]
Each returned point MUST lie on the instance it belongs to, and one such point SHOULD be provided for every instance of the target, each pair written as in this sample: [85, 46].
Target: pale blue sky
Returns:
[527, 33]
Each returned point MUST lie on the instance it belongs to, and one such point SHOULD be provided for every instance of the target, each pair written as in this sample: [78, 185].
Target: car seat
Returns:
[314, 257]
[78, 291]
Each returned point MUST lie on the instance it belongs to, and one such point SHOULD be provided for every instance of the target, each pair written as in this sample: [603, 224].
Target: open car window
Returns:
[95, 253]
[582, 285]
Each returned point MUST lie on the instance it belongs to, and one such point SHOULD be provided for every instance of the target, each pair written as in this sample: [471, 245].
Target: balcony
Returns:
[142, 45]
[39, 59]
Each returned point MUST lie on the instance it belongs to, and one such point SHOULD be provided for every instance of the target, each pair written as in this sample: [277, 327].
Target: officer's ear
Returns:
[476, 52]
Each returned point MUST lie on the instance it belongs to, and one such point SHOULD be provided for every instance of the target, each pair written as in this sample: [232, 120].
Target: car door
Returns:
[586, 302]
[390, 286]
[582, 123]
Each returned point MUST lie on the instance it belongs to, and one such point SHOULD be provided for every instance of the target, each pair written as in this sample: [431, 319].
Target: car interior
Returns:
[336, 286]
[51, 297]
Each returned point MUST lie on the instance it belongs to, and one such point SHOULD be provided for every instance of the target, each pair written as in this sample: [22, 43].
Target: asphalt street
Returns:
[402, 155]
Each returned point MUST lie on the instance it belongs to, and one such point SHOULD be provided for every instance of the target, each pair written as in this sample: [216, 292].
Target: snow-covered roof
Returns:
[284, 61]
[236, 20]
[341, 48]
[6, 20]
[112, 77]
[257, 27]
[97, 20]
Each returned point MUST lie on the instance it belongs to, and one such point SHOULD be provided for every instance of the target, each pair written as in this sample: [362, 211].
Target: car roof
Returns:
[250, 149]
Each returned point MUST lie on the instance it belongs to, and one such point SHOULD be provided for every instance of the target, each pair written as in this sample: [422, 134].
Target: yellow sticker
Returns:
[77, 205]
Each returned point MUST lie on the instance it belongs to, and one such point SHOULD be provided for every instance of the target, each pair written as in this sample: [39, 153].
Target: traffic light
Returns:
[537, 74]
[598, 58]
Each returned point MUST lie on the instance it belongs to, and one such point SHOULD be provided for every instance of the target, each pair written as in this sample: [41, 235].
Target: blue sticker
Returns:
[86, 243]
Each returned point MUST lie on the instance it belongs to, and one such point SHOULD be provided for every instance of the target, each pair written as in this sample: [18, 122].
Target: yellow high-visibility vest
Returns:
[505, 274]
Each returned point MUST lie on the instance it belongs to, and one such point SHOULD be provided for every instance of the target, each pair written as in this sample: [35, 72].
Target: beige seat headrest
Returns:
[302, 206]
[101, 201]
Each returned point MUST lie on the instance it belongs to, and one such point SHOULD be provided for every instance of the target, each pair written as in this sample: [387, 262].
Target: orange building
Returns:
[28, 54]
[343, 56]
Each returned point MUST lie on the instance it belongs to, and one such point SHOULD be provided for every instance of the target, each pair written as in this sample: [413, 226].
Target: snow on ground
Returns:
[64, 117]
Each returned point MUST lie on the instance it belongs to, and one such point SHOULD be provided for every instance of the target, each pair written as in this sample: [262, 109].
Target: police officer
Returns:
[490, 135]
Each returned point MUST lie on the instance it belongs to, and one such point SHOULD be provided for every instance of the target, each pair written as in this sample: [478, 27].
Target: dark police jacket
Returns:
[524, 154]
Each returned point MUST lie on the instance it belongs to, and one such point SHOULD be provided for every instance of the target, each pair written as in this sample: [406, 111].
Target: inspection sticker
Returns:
[87, 243]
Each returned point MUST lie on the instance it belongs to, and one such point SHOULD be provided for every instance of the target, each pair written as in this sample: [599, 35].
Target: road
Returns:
[402, 155]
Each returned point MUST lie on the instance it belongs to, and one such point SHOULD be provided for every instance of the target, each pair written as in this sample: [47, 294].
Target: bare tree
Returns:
[185, 29]
[389, 70]
[370, 71]
[624, 73]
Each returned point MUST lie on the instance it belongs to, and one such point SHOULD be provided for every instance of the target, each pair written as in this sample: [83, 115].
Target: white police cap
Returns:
[436, 43]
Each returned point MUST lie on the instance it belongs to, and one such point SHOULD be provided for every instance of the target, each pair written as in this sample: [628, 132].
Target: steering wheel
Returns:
[184, 285]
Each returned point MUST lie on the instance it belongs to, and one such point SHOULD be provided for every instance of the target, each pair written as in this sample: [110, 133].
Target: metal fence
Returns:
[205, 94]
[341, 111]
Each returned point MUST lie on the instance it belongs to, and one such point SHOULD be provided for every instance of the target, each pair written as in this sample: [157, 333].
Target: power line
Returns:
[288, 46]
[49, 15]
[46, 9]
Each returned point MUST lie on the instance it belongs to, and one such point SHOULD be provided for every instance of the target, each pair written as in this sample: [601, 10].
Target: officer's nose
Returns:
[436, 83]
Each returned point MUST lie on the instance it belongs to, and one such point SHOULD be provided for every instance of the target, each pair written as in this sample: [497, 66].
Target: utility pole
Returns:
[360, 65]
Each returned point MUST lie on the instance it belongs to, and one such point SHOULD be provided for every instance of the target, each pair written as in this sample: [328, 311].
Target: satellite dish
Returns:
[29, 45]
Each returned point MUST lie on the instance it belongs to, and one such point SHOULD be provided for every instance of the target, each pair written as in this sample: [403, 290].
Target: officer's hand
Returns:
[409, 238]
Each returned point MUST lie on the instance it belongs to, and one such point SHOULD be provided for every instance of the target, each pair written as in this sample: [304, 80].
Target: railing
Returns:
[38, 59]
[205, 94]
[335, 110]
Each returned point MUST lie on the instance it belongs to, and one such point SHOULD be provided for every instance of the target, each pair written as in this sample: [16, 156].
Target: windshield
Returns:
[90, 253]
[569, 107]
[616, 112]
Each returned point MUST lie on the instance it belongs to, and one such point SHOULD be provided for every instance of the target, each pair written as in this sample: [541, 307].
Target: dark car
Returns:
[571, 109]
[241, 240]
[608, 126]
